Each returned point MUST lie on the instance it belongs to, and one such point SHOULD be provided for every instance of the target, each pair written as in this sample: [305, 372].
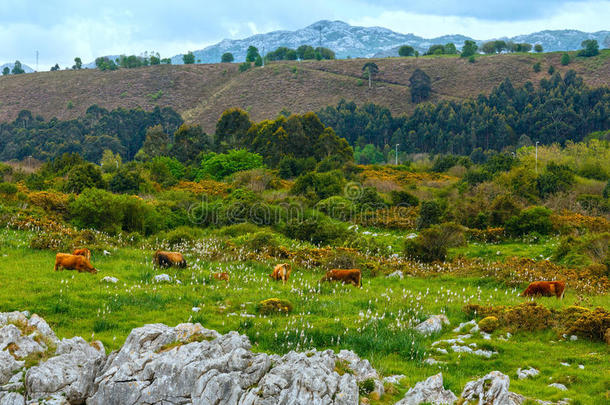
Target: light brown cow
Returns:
[351, 276]
[545, 288]
[281, 272]
[169, 259]
[73, 262]
[82, 252]
[221, 276]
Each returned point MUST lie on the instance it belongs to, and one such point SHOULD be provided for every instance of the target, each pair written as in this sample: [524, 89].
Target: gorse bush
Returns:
[533, 219]
[403, 198]
[429, 214]
[318, 186]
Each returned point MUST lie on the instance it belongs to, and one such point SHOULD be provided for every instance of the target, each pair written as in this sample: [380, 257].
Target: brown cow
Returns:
[82, 252]
[352, 276]
[73, 262]
[281, 272]
[221, 276]
[169, 259]
[545, 288]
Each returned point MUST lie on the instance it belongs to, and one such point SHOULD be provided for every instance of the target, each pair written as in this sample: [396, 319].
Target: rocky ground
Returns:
[189, 364]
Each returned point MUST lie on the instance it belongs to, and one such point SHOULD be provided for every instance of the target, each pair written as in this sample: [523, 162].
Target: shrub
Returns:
[181, 235]
[8, 189]
[444, 163]
[433, 243]
[125, 181]
[50, 240]
[53, 202]
[244, 66]
[565, 59]
[317, 186]
[429, 214]
[221, 165]
[556, 178]
[273, 306]
[263, 242]
[317, 229]
[476, 176]
[593, 170]
[367, 386]
[502, 209]
[488, 324]
[256, 179]
[533, 219]
[336, 207]
[238, 229]
[290, 167]
[340, 259]
[403, 198]
[96, 209]
[591, 324]
[369, 200]
[84, 176]
[537, 67]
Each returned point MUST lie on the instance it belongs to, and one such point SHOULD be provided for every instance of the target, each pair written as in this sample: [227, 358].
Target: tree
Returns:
[450, 49]
[84, 176]
[436, 50]
[189, 141]
[252, 54]
[469, 49]
[324, 53]
[55, 68]
[103, 63]
[565, 59]
[6, 71]
[189, 58]
[155, 59]
[551, 70]
[231, 129]
[110, 162]
[420, 86]
[305, 52]
[156, 143]
[406, 50]
[17, 69]
[538, 48]
[227, 57]
[259, 61]
[78, 63]
[370, 69]
[489, 47]
[590, 48]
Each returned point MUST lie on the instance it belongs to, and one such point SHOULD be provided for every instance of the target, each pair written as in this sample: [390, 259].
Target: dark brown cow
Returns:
[73, 262]
[545, 288]
[281, 272]
[352, 276]
[169, 259]
[221, 276]
[82, 252]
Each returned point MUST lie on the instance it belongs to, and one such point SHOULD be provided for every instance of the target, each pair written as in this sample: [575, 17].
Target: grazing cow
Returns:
[73, 262]
[82, 252]
[169, 259]
[353, 276]
[281, 272]
[545, 288]
[221, 276]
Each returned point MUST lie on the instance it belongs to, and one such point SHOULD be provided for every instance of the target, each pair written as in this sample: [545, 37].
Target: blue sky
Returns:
[63, 29]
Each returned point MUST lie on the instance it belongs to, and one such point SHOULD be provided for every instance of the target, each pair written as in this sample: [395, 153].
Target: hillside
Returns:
[201, 92]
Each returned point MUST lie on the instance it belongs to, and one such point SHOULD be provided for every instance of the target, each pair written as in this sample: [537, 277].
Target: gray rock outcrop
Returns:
[428, 391]
[491, 390]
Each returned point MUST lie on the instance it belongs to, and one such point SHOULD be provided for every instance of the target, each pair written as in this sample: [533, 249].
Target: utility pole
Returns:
[396, 155]
[37, 61]
[536, 157]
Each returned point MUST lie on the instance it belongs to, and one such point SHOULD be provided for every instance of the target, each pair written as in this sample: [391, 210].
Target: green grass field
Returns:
[374, 321]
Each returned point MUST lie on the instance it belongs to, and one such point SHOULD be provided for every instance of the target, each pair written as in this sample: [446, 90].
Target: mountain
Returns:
[357, 42]
[25, 67]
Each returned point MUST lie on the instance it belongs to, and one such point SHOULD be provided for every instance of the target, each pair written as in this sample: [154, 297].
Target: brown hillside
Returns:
[201, 92]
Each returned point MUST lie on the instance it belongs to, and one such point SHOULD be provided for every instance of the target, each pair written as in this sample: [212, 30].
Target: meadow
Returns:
[375, 321]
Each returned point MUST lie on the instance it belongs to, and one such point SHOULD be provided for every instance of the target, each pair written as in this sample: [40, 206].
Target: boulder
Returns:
[560, 387]
[11, 398]
[109, 279]
[8, 366]
[527, 373]
[70, 373]
[362, 369]
[491, 390]
[18, 345]
[395, 379]
[396, 274]
[428, 391]
[162, 278]
[434, 324]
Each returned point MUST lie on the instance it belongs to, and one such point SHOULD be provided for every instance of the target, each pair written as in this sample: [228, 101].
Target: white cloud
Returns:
[591, 16]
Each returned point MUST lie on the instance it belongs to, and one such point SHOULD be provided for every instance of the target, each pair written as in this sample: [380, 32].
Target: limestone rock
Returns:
[394, 379]
[109, 279]
[396, 274]
[70, 373]
[434, 324]
[19, 346]
[491, 390]
[428, 391]
[8, 366]
[560, 387]
[527, 373]
[162, 278]
[11, 398]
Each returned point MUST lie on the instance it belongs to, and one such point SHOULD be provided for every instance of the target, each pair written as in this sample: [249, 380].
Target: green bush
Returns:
[221, 165]
[316, 228]
[556, 178]
[84, 176]
[336, 207]
[444, 163]
[263, 242]
[432, 244]
[403, 198]
[244, 66]
[238, 229]
[429, 214]
[369, 199]
[502, 209]
[182, 234]
[125, 181]
[8, 189]
[290, 167]
[318, 186]
[475, 176]
[273, 306]
[533, 219]
[593, 170]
